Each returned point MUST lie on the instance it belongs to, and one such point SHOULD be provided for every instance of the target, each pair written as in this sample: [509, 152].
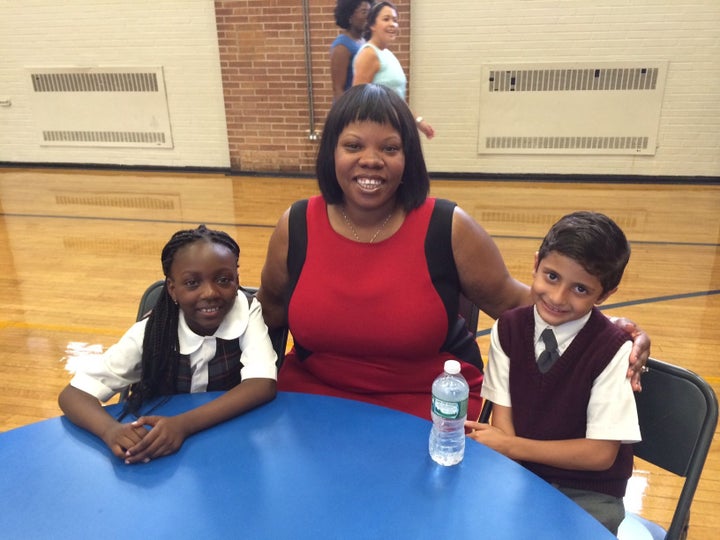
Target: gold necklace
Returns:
[354, 232]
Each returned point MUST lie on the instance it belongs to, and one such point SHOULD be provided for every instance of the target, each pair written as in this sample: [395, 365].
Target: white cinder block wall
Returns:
[452, 38]
[179, 35]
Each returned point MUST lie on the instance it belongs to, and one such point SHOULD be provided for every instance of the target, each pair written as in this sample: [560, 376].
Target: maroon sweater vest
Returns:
[553, 406]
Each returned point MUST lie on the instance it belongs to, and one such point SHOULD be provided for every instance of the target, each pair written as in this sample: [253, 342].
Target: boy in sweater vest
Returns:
[557, 372]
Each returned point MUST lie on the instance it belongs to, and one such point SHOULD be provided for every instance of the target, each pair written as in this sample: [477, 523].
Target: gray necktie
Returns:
[550, 354]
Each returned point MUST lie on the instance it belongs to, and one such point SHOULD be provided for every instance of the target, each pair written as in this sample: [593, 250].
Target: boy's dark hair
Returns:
[373, 103]
[161, 347]
[344, 10]
[373, 14]
[594, 241]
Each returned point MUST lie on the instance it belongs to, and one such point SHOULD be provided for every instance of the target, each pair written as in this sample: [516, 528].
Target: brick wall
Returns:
[262, 58]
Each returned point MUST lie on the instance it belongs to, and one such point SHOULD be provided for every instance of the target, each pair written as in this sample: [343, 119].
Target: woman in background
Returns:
[375, 62]
[350, 15]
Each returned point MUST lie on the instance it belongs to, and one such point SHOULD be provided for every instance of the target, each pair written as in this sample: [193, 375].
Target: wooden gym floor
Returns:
[78, 247]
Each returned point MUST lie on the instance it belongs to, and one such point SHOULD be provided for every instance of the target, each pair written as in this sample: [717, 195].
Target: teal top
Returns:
[391, 73]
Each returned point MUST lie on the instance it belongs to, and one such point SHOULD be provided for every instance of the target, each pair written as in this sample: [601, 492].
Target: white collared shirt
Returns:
[564, 334]
[611, 413]
[120, 365]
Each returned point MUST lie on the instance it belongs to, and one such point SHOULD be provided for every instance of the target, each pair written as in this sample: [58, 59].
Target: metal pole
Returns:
[313, 134]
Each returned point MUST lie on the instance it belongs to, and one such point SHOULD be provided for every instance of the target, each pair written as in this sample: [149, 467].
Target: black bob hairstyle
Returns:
[379, 104]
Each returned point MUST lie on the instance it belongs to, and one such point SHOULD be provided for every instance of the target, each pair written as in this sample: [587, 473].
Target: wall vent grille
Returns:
[112, 137]
[578, 108]
[95, 82]
[557, 143]
[559, 80]
[101, 107]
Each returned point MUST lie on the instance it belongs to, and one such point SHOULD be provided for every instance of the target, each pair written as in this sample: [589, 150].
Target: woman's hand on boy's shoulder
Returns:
[640, 350]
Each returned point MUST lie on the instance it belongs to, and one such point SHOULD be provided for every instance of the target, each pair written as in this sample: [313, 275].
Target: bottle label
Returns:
[451, 410]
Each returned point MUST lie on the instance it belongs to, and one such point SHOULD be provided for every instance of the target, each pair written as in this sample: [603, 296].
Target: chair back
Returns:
[678, 413]
[470, 312]
[149, 299]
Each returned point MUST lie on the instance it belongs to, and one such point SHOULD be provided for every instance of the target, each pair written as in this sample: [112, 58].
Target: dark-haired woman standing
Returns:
[350, 15]
[376, 63]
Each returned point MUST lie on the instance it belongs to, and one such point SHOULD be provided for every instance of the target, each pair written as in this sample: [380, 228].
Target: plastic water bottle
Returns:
[450, 393]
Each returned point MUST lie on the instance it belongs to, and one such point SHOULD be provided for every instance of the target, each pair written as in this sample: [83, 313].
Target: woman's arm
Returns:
[274, 278]
[366, 66]
[424, 127]
[339, 63]
[484, 278]
[640, 350]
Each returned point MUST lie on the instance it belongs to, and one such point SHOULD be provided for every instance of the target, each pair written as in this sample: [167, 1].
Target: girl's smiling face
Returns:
[203, 281]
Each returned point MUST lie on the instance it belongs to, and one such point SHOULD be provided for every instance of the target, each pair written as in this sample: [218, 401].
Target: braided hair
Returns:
[161, 346]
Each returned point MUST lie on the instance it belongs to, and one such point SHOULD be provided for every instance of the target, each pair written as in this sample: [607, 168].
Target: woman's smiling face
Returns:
[386, 28]
[369, 163]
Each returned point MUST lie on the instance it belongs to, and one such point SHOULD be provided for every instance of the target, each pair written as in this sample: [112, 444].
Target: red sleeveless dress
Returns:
[367, 321]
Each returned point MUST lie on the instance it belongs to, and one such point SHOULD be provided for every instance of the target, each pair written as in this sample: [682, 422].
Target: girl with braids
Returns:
[204, 334]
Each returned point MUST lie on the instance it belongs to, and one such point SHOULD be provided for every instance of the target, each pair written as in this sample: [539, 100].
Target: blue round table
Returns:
[302, 466]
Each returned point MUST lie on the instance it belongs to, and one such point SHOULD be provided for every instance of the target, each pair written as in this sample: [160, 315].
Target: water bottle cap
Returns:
[452, 367]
